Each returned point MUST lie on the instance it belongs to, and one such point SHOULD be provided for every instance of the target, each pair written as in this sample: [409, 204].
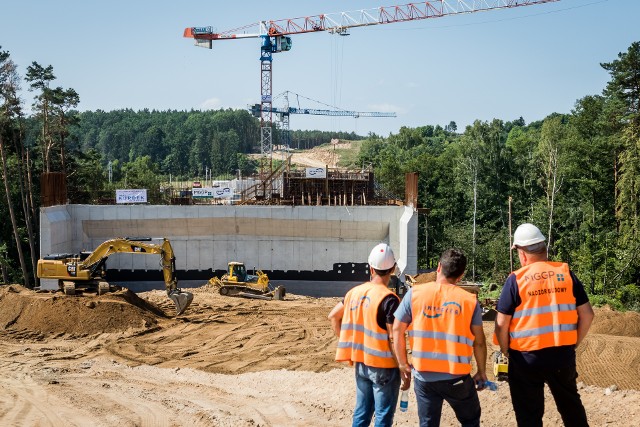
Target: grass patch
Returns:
[349, 157]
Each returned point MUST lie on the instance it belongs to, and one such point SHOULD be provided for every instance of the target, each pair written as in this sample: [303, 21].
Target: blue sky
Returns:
[527, 61]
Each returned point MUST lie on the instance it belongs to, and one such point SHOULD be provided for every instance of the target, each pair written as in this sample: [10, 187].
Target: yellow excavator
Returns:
[236, 282]
[87, 270]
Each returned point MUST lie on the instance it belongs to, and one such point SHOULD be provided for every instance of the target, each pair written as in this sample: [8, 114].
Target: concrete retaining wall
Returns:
[311, 238]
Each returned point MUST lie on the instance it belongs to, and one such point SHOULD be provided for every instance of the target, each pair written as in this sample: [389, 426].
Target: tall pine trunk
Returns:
[14, 224]
[26, 199]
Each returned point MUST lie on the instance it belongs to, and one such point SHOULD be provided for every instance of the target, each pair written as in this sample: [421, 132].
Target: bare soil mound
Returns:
[425, 277]
[27, 312]
[611, 322]
[230, 335]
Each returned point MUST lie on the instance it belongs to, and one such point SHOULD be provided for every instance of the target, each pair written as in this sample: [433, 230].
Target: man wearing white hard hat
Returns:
[543, 314]
[363, 322]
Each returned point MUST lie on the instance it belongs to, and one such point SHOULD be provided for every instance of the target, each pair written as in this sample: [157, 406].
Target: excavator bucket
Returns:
[181, 299]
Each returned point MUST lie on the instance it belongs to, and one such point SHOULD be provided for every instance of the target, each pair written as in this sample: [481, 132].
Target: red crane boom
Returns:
[341, 22]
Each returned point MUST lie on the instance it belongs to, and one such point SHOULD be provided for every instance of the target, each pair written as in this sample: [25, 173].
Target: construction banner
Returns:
[316, 173]
[131, 196]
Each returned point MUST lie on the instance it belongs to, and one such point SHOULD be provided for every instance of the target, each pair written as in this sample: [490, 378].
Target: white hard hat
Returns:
[381, 257]
[527, 235]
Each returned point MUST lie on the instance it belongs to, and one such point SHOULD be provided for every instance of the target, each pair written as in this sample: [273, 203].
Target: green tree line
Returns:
[577, 176]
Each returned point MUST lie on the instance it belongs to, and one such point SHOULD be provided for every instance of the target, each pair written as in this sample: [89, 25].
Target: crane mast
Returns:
[275, 35]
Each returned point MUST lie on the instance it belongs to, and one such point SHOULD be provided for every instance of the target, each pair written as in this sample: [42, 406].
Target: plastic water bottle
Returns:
[491, 385]
[404, 400]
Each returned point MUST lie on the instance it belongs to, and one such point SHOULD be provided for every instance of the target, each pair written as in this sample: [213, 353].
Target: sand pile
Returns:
[425, 277]
[611, 322]
[53, 313]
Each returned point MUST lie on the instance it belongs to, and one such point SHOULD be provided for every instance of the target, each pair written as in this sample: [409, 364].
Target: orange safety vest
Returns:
[546, 316]
[361, 339]
[440, 333]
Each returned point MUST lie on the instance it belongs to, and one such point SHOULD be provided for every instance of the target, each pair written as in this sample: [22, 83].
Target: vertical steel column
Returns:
[266, 141]
[285, 127]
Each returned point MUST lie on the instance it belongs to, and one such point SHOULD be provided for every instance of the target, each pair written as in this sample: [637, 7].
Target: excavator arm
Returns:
[89, 269]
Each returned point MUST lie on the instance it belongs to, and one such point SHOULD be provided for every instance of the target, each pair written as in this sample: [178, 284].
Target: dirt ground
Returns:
[124, 360]
[317, 157]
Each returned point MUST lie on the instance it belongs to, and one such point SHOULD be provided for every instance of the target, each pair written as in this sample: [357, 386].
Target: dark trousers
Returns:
[460, 393]
[526, 385]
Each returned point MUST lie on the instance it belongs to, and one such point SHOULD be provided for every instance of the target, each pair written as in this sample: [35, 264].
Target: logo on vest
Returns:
[362, 301]
[541, 276]
[449, 307]
[560, 277]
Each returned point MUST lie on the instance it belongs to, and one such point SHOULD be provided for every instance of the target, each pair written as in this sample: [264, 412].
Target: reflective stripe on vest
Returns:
[440, 333]
[361, 338]
[546, 316]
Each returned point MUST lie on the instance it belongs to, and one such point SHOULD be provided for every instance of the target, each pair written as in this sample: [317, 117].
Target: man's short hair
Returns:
[536, 248]
[453, 263]
[383, 273]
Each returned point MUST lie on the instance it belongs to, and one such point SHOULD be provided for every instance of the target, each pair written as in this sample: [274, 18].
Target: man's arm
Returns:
[336, 318]
[502, 331]
[400, 350]
[480, 354]
[585, 317]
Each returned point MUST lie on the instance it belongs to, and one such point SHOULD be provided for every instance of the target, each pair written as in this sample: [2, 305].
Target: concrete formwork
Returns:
[282, 238]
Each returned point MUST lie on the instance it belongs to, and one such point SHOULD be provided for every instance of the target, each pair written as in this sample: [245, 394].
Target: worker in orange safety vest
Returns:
[444, 324]
[363, 322]
[543, 314]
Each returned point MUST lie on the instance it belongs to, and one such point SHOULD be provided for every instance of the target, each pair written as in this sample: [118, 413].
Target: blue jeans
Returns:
[459, 392]
[377, 392]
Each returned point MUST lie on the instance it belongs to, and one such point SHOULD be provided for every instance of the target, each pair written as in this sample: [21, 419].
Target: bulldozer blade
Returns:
[254, 296]
[182, 300]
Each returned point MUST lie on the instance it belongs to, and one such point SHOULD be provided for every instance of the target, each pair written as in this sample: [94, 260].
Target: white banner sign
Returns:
[316, 173]
[131, 196]
[212, 193]
[202, 193]
[223, 193]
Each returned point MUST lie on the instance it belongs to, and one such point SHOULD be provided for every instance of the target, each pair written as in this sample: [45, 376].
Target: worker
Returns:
[363, 322]
[543, 314]
[446, 329]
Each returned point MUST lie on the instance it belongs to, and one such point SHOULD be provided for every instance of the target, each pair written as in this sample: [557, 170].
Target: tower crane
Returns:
[286, 111]
[275, 35]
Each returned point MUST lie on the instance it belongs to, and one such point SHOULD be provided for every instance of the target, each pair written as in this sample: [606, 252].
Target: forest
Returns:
[576, 175]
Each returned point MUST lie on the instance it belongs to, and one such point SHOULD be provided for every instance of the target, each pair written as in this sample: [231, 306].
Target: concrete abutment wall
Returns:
[206, 237]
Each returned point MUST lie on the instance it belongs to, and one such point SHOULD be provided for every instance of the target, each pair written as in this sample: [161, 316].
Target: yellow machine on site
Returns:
[500, 366]
[236, 282]
[86, 271]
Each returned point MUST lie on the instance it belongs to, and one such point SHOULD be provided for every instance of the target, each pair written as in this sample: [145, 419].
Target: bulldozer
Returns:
[236, 282]
[500, 366]
[86, 271]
